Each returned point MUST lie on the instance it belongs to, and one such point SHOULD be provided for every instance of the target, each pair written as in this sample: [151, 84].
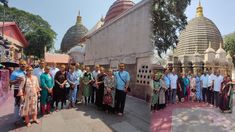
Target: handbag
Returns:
[128, 88]
[108, 99]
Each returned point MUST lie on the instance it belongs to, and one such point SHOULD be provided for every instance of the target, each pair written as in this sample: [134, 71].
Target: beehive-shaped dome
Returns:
[73, 35]
[117, 8]
[198, 33]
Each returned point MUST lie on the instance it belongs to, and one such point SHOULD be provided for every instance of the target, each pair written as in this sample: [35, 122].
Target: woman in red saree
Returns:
[226, 102]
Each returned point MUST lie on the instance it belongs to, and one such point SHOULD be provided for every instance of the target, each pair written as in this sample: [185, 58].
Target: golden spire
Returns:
[79, 19]
[199, 10]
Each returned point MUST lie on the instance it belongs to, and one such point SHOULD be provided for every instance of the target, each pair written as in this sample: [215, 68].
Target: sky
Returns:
[61, 14]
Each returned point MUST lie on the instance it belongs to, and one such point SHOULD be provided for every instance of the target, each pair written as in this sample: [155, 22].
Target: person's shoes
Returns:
[28, 125]
[120, 114]
[37, 121]
[17, 123]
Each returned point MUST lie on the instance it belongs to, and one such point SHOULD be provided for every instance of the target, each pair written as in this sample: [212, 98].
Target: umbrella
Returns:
[10, 64]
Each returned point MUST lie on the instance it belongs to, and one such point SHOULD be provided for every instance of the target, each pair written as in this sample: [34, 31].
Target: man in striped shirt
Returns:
[15, 79]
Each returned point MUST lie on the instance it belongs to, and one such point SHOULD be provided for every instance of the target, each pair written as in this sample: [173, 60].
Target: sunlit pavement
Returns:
[192, 117]
[83, 119]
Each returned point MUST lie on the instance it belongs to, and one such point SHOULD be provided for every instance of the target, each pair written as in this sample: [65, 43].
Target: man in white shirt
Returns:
[205, 84]
[173, 83]
[218, 79]
[53, 70]
[210, 93]
[94, 86]
[78, 73]
[38, 71]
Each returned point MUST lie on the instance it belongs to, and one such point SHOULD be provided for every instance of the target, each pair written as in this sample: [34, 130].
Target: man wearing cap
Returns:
[15, 79]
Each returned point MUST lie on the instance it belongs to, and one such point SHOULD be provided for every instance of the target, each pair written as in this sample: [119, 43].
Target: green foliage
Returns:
[168, 18]
[37, 31]
[229, 41]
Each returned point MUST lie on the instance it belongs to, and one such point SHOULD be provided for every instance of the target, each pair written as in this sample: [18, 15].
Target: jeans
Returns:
[73, 95]
[167, 94]
[17, 108]
[173, 95]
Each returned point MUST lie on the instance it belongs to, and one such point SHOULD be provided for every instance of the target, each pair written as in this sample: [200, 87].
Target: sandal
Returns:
[37, 121]
[28, 125]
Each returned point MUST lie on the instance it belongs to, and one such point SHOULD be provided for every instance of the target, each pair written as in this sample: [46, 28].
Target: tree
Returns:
[39, 39]
[168, 18]
[229, 41]
[33, 27]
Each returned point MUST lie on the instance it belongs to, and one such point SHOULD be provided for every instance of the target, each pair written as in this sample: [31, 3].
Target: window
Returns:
[144, 75]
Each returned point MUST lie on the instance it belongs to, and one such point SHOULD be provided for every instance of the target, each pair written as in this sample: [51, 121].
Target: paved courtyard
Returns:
[192, 117]
[83, 119]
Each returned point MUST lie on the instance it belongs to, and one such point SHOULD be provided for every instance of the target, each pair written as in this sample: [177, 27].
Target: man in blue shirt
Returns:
[122, 83]
[15, 79]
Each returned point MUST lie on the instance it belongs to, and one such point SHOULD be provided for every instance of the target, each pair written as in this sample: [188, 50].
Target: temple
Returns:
[200, 48]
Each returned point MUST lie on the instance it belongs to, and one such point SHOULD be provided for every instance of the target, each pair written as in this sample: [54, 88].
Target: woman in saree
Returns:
[29, 91]
[161, 92]
[186, 87]
[193, 85]
[226, 102]
[155, 85]
[86, 81]
[109, 89]
[158, 95]
[198, 88]
[180, 85]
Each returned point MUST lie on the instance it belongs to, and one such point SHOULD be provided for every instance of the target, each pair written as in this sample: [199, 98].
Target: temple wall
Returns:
[123, 39]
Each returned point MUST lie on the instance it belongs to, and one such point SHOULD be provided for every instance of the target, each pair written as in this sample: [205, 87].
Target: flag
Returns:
[5, 2]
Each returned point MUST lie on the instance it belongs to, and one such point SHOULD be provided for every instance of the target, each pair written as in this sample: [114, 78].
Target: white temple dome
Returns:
[78, 49]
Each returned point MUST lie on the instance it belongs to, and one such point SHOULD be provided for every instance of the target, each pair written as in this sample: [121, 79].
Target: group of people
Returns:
[44, 87]
[211, 88]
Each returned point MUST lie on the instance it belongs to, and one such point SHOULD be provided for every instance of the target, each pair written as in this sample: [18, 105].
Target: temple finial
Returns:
[79, 18]
[199, 10]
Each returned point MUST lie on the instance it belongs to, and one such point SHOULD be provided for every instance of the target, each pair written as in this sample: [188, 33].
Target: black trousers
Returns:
[93, 93]
[204, 90]
[210, 96]
[216, 98]
[99, 96]
[167, 95]
[109, 108]
[120, 100]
